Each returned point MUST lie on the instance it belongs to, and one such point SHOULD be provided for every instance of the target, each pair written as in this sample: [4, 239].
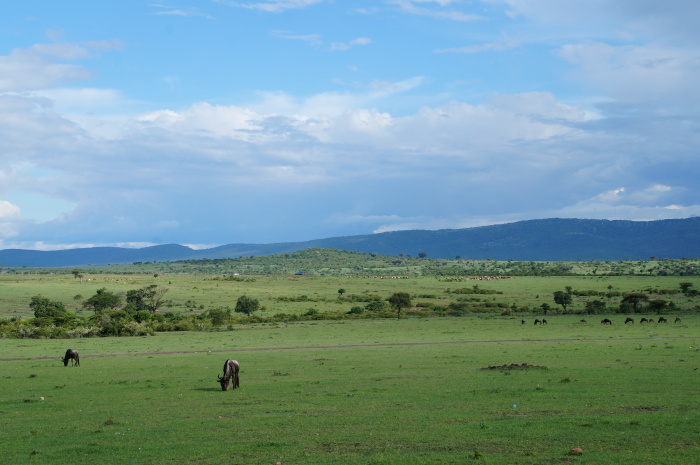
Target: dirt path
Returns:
[350, 346]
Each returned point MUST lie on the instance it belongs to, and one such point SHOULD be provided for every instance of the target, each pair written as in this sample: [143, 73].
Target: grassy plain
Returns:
[194, 293]
[383, 393]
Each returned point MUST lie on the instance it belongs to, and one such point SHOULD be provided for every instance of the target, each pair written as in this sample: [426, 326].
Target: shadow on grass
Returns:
[207, 389]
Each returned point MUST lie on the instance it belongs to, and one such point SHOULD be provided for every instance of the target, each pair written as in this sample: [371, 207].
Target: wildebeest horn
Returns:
[220, 378]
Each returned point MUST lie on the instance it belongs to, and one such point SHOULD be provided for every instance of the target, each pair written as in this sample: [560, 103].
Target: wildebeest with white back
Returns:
[71, 355]
[231, 369]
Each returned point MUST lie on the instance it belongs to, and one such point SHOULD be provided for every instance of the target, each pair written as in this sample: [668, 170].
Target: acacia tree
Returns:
[247, 305]
[77, 274]
[147, 298]
[399, 301]
[634, 299]
[562, 298]
[103, 300]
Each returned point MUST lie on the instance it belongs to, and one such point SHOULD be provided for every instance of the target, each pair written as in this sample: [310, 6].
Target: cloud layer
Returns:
[615, 135]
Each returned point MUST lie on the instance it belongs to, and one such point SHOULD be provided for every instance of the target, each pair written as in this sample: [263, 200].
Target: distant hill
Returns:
[532, 240]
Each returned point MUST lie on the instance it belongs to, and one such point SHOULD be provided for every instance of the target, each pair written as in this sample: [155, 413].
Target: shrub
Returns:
[356, 310]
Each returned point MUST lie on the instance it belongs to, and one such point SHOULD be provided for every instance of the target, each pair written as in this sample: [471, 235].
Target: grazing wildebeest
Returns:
[644, 320]
[678, 320]
[583, 321]
[71, 354]
[522, 322]
[663, 320]
[606, 321]
[629, 320]
[538, 321]
[231, 369]
[544, 322]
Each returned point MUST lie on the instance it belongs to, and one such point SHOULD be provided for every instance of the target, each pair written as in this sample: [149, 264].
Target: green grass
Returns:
[625, 394]
[206, 292]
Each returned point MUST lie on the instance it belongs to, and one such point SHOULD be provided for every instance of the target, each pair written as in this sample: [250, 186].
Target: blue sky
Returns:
[211, 122]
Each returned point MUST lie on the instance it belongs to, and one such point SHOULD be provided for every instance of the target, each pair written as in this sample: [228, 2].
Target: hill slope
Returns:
[533, 240]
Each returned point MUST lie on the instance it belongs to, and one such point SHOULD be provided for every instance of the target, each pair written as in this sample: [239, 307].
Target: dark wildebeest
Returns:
[663, 320]
[678, 320]
[606, 321]
[629, 320]
[583, 321]
[71, 354]
[522, 322]
[538, 321]
[231, 369]
[644, 320]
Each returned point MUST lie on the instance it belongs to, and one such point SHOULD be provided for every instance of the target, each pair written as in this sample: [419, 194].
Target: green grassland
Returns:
[289, 294]
[381, 391]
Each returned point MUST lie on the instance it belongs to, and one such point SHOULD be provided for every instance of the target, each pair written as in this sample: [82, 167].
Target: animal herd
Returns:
[608, 321]
[230, 378]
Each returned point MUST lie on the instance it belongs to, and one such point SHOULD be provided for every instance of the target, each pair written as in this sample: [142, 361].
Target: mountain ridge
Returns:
[553, 239]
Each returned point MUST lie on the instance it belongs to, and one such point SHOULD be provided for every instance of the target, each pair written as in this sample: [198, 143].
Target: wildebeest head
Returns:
[225, 382]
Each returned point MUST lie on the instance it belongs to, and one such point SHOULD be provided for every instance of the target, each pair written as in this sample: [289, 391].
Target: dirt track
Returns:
[349, 346]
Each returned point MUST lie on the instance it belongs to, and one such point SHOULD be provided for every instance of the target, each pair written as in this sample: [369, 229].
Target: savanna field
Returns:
[453, 381]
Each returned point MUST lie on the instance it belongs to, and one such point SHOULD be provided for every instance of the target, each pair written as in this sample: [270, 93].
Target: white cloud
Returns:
[313, 39]
[273, 6]
[7, 209]
[33, 68]
[411, 7]
[343, 46]
[167, 10]
[499, 46]
[658, 73]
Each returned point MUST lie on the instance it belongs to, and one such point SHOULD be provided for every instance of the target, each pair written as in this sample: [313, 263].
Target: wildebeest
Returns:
[71, 354]
[629, 320]
[583, 321]
[678, 320]
[231, 369]
[663, 320]
[522, 322]
[605, 321]
[644, 320]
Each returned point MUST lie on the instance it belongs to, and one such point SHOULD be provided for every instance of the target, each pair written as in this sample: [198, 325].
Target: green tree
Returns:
[149, 298]
[658, 305]
[545, 307]
[422, 255]
[341, 291]
[562, 298]
[247, 305]
[45, 308]
[376, 306]
[77, 274]
[219, 316]
[103, 300]
[685, 287]
[595, 306]
[51, 312]
[399, 301]
[634, 299]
